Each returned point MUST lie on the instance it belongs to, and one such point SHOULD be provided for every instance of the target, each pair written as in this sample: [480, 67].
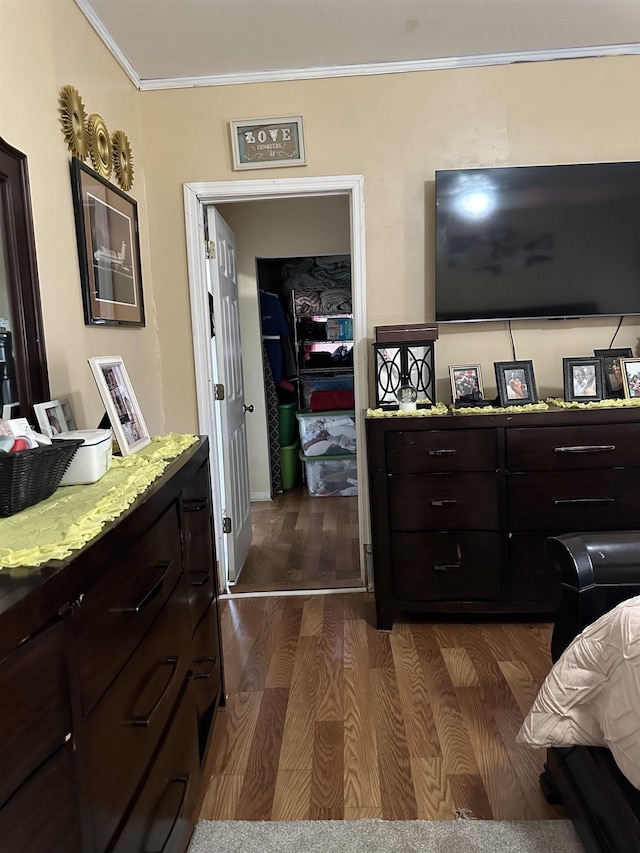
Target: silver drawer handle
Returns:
[585, 501]
[446, 567]
[585, 448]
[443, 502]
[443, 452]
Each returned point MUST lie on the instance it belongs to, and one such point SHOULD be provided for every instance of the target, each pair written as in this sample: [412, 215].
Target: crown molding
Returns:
[405, 67]
[362, 70]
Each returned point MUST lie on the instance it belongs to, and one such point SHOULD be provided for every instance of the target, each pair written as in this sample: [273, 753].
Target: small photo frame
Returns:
[120, 403]
[631, 377]
[54, 417]
[613, 369]
[583, 379]
[264, 143]
[466, 382]
[108, 250]
[516, 383]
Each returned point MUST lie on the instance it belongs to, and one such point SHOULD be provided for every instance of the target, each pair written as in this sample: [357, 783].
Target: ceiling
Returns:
[172, 43]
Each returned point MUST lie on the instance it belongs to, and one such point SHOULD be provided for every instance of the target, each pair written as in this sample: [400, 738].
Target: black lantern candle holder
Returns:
[404, 355]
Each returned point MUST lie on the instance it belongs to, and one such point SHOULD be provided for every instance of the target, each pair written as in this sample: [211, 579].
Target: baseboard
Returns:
[260, 496]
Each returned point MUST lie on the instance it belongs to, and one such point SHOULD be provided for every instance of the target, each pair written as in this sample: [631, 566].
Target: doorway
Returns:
[197, 197]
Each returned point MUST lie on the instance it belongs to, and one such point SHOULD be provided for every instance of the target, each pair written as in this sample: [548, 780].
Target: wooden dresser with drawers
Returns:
[110, 673]
[461, 504]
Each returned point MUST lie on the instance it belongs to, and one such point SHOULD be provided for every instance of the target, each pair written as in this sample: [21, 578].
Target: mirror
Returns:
[23, 366]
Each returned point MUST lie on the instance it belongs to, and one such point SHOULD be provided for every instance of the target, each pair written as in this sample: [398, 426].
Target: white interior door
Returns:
[230, 410]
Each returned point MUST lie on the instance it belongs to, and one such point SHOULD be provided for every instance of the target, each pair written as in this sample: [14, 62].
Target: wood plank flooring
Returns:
[328, 718]
[302, 542]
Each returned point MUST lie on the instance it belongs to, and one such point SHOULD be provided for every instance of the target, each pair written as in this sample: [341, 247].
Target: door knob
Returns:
[248, 408]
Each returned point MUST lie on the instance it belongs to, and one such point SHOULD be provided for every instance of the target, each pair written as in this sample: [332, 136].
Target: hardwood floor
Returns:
[328, 718]
[302, 542]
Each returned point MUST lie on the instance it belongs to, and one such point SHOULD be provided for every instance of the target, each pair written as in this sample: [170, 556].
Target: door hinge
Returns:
[219, 392]
[210, 249]
[226, 525]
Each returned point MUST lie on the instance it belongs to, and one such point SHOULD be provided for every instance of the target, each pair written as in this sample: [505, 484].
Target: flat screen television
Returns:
[538, 242]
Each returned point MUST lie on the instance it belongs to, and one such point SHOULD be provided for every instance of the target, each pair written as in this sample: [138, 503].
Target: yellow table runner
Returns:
[53, 528]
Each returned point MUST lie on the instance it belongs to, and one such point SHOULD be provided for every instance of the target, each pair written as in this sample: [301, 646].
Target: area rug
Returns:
[380, 836]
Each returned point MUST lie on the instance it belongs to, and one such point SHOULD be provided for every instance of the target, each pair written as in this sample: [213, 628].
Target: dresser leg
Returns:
[385, 615]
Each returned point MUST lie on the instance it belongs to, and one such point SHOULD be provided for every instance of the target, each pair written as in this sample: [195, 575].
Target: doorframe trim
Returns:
[197, 196]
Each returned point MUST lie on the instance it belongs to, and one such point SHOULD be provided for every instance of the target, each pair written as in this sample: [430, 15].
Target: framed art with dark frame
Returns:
[631, 377]
[466, 382]
[108, 250]
[120, 403]
[613, 369]
[516, 383]
[583, 379]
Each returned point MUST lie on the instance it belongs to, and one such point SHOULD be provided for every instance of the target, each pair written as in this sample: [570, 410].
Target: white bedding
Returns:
[591, 696]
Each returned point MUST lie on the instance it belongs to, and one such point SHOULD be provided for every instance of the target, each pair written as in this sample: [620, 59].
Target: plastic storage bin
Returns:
[327, 433]
[93, 459]
[325, 383]
[287, 420]
[289, 465]
[331, 476]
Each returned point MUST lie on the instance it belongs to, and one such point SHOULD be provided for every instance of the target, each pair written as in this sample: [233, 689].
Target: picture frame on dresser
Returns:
[516, 383]
[466, 382]
[583, 380]
[120, 403]
[631, 377]
[54, 417]
[613, 369]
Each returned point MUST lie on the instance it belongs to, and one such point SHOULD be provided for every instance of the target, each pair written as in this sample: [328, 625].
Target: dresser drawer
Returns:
[207, 675]
[443, 501]
[120, 736]
[413, 452]
[35, 712]
[164, 812]
[196, 503]
[459, 566]
[116, 613]
[44, 814]
[570, 501]
[573, 448]
[199, 573]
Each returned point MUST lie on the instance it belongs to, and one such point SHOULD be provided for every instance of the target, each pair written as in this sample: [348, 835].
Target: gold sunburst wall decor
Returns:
[99, 145]
[73, 118]
[122, 159]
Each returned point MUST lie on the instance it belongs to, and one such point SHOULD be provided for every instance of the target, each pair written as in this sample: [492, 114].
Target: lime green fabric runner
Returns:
[52, 529]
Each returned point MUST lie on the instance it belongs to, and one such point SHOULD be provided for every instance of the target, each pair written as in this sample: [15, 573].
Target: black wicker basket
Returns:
[29, 476]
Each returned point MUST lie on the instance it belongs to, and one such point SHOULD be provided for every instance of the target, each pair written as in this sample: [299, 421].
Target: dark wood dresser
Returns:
[461, 504]
[110, 673]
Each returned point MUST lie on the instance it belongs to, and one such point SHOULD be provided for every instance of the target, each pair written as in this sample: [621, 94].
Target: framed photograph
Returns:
[120, 403]
[613, 369]
[263, 143]
[631, 376]
[54, 417]
[466, 382]
[583, 379]
[516, 383]
[108, 250]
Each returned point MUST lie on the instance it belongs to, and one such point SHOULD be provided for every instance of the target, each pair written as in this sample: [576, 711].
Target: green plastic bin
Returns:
[290, 465]
[288, 424]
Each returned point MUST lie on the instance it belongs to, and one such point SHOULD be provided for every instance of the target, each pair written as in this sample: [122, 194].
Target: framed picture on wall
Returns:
[108, 250]
[583, 379]
[120, 403]
[264, 143]
[516, 383]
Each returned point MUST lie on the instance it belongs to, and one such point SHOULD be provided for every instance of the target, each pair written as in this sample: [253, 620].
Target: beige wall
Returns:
[272, 229]
[396, 130]
[44, 45]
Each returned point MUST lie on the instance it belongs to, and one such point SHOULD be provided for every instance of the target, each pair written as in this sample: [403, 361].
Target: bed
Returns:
[587, 712]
